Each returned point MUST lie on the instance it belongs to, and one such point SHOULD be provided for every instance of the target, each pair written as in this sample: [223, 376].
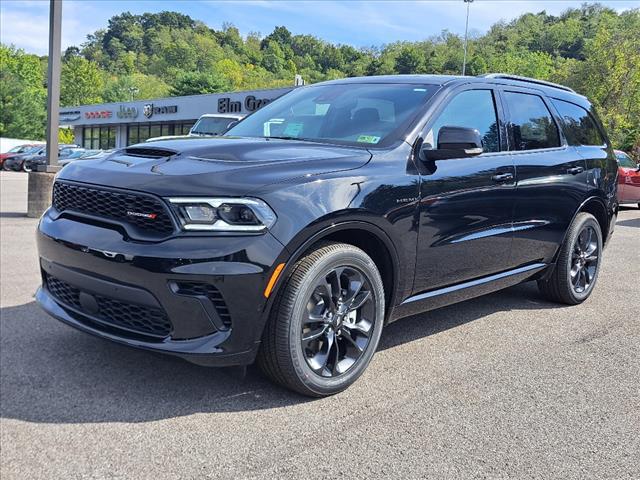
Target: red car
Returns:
[628, 179]
[16, 151]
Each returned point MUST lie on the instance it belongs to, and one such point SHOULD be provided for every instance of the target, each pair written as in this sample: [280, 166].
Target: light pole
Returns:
[41, 180]
[466, 29]
[53, 84]
[133, 91]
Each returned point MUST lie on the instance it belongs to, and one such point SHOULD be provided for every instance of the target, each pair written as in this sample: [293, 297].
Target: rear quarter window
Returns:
[578, 125]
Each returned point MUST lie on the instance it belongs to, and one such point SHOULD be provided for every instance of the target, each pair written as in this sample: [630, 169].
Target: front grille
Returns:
[119, 206]
[137, 318]
[212, 293]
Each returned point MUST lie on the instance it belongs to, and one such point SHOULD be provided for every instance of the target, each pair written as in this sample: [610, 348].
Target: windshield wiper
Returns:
[285, 138]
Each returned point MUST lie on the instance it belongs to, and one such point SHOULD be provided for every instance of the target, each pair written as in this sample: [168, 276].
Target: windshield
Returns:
[211, 125]
[625, 161]
[355, 114]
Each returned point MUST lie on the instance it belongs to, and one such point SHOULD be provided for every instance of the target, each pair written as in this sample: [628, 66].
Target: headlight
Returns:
[223, 214]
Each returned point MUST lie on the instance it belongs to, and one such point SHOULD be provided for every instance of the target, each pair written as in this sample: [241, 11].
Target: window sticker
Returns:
[293, 130]
[368, 139]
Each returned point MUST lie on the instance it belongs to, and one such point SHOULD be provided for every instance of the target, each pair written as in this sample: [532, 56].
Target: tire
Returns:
[307, 308]
[25, 168]
[578, 264]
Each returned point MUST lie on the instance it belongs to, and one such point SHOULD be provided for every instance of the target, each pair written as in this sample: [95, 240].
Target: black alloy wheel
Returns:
[584, 259]
[578, 263]
[338, 324]
[326, 321]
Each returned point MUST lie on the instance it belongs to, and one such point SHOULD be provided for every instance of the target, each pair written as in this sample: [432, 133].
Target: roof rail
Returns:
[507, 76]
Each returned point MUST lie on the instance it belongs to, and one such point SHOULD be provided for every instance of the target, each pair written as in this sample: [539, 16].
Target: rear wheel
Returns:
[326, 322]
[576, 270]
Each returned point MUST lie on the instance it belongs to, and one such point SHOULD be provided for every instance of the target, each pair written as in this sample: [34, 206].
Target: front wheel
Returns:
[578, 263]
[326, 321]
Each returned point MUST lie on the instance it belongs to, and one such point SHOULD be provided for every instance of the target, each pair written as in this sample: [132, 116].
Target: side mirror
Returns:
[455, 142]
[638, 169]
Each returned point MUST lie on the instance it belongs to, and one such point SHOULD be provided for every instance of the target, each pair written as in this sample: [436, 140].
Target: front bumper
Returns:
[205, 293]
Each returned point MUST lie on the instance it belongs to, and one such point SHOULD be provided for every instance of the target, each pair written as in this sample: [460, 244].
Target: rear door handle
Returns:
[502, 177]
[575, 170]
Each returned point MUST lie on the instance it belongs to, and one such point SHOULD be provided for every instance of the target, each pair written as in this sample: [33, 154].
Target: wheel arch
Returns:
[596, 207]
[366, 236]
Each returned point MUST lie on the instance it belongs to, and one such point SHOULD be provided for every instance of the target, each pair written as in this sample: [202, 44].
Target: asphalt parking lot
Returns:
[503, 386]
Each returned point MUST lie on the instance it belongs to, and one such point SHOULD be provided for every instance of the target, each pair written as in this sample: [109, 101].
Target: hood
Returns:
[213, 166]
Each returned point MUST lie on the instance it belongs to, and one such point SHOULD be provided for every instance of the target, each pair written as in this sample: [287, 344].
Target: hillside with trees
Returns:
[592, 49]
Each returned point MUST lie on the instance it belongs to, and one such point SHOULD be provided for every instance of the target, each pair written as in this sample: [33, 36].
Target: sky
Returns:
[358, 23]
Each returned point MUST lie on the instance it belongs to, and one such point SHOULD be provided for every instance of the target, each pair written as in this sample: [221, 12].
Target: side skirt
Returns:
[463, 291]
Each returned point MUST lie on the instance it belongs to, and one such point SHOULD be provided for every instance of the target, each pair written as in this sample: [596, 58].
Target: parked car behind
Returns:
[14, 158]
[38, 157]
[628, 179]
[64, 153]
[328, 213]
[87, 155]
[208, 125]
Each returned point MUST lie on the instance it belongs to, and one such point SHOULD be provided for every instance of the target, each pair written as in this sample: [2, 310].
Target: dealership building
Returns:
[116, 125]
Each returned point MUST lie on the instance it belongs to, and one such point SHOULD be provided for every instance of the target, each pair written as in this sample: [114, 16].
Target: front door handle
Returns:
[502, 177]
[575, 170]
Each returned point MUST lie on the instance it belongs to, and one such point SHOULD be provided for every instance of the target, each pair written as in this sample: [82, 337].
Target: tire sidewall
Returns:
[354, 258]
[586, 220]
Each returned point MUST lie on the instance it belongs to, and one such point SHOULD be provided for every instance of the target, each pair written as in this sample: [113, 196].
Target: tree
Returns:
[136, 86]
[22, 95]
[195, 83]
[410, 60]
[593, 49]
[81, 82]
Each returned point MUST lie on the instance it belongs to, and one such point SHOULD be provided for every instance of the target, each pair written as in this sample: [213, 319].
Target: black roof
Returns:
[550, 89]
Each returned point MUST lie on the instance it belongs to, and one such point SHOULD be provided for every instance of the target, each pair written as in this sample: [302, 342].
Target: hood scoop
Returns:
[146, 152]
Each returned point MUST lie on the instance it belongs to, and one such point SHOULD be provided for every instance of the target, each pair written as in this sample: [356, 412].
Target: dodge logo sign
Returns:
[147, 110]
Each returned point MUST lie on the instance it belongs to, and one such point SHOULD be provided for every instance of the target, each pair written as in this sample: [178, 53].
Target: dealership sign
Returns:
[98, 114]
[251, 103]
[149, 110]
[70, 115]
[127, 112]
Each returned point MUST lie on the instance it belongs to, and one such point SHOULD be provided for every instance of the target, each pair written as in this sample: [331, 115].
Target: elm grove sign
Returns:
[251, 103]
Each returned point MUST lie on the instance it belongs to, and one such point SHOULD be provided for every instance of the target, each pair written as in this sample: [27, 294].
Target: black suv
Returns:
[328, 213]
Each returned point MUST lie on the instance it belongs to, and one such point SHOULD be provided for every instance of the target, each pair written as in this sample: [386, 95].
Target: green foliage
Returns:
[194, 83]
[410, 60]
[22, 95]
[65, 135]
[125, 88]
[593, 49]
[81, 82]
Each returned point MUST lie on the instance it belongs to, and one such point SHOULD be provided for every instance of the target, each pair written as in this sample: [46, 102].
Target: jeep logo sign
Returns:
[251, 104]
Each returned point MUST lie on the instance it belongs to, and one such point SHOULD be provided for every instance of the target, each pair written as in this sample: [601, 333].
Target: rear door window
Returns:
[531, 122]
[578, 125]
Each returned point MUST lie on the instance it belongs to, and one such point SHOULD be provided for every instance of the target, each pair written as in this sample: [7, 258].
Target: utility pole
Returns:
[41, 181]
[53, 84]
[466, 30]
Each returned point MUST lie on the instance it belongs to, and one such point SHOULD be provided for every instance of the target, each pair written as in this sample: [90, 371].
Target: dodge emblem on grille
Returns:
[150, 216]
